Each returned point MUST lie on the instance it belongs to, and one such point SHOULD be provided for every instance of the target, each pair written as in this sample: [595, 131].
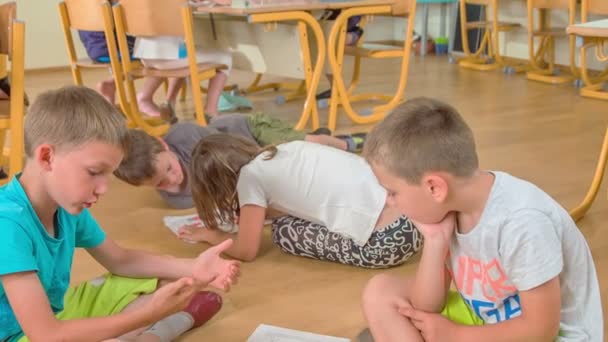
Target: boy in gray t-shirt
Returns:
[164, 163]
[522, 269]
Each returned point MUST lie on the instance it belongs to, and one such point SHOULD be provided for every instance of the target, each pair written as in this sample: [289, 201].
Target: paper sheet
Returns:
[174, 223]
[270, 333]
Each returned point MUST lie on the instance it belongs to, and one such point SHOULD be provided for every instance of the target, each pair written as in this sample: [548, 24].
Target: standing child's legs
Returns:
[214, 91]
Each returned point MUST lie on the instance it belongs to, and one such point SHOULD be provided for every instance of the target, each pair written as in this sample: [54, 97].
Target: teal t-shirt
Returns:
[25, 245]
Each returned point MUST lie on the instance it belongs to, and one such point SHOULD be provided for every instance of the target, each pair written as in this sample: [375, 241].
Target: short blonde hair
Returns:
[71, 116]
[423, 135]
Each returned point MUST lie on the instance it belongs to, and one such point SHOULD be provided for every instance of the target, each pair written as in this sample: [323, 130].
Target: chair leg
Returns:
[579, 211]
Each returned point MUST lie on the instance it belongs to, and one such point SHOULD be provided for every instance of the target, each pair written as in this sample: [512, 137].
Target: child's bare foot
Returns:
[107, 89]
[148, 107]
[191, 233]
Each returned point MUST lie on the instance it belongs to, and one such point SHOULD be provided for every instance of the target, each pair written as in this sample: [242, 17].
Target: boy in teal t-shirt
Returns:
[74, 139]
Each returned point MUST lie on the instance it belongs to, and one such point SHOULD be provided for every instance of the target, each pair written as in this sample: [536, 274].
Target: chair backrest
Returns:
[594, 7]
[549, 4]
[8, 13]
[12, 36]
[402, 7]
[84, 14]
[145, 18]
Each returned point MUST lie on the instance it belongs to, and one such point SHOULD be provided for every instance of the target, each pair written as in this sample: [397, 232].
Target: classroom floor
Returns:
[544, 133]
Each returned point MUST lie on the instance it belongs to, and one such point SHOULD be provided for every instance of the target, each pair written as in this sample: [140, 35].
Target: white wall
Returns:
[44, 43]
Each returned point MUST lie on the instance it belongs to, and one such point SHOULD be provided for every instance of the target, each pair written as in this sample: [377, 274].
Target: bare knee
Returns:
[384, 289]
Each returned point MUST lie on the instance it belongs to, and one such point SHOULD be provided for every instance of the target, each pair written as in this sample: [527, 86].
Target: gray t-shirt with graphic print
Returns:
[523, 239]
[182, 139]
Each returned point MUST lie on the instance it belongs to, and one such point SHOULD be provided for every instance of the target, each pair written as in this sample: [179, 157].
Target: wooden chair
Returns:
[487, 56]
[542, 59]
[12, 46]
[152, 18]
[80, 15]
[594, 35]
[96, 15]
[404, 9]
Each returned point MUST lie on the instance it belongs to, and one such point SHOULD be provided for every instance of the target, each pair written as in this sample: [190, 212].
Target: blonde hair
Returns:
[70, 117]
[141, 156]
[423, 135]
[216, 163]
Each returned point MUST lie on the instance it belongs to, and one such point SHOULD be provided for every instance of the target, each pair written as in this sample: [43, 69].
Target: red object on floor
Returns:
[430, 46]
[203, 306]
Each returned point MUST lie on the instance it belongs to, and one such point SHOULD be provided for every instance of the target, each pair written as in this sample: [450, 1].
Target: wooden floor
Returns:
[544, 133]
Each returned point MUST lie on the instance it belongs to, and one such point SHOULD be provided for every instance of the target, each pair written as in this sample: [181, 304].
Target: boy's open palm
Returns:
[210, 268]
[173, 297]
[440, 231]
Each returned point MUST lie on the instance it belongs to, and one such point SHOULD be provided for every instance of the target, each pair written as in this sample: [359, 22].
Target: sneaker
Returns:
[321, 131]
[354, 141]
[203, 306]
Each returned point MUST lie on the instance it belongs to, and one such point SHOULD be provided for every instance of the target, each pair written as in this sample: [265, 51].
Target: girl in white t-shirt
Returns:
[326, 203]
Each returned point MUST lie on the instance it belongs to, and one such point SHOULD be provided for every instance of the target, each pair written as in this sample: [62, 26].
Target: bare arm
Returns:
[138, 264]
[33, 311]
[249, 237]
[432, 280]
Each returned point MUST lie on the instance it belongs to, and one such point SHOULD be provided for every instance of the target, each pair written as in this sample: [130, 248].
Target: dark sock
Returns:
[354, 143]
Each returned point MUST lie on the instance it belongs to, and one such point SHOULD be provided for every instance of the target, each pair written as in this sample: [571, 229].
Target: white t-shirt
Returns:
[317, 183]
[524, 239]
[161, 47]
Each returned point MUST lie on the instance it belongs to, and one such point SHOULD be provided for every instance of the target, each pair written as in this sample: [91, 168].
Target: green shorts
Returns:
[457, 311]
[103, 296]
[272, 131]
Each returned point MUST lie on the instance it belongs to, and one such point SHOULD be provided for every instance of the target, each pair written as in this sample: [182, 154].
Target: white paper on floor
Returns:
[270, 333]
[174, 223]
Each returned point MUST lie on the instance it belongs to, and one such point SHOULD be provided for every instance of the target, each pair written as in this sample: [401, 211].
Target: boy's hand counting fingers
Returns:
[210, 263]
